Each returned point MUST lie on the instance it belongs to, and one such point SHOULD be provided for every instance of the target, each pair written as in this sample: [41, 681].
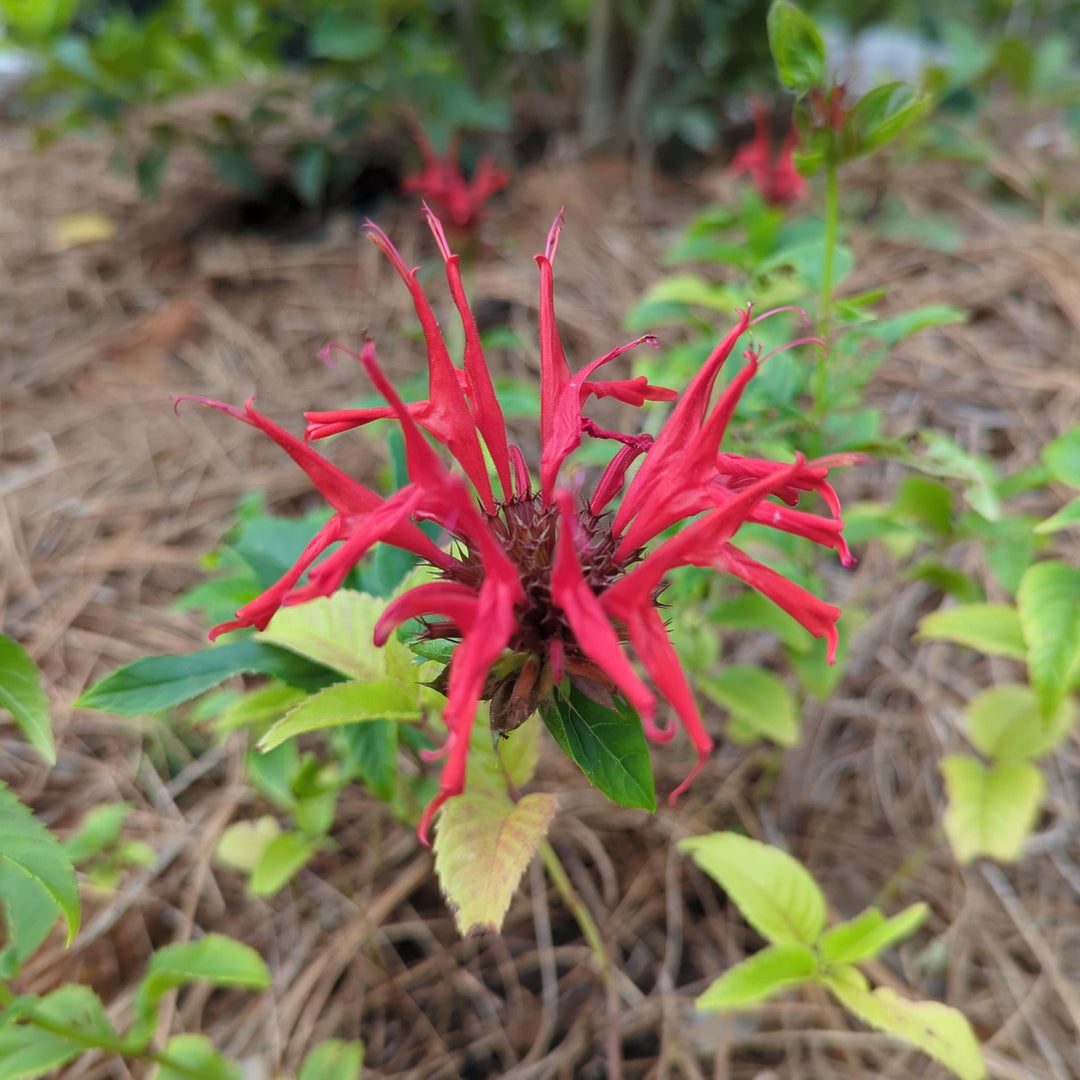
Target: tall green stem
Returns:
[832, 219]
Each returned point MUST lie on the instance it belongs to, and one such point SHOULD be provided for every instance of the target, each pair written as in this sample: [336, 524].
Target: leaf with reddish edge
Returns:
[485, 404]
[483, 844]
[448, 417]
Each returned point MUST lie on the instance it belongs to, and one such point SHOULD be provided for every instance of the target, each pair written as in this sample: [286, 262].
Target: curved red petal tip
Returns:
[833, 639]
[437, 230]
[776, 311]
[673, 797]
[221, 406]
[553, 234]
[655, 733]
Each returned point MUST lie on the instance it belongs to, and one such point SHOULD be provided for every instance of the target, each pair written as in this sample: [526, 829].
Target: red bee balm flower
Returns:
[776, 178]
[544, 582]
[441, 182]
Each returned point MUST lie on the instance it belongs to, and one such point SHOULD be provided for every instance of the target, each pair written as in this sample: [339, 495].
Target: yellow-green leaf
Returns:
[483, 842]
[938, 1030]
[775, 894]
[346, 703]
[991, 628]
[338, 631]
[1005, 723]
[991, 810]
[1048, 603]
[242, 844]
[762, 976]
[869, 934]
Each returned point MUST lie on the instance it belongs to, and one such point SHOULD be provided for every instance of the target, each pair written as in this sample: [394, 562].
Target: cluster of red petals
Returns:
[776, 178]
[460, 202]
[681, 474]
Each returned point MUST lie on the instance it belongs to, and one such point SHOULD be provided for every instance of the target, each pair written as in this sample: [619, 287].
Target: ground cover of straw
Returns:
[107, 501]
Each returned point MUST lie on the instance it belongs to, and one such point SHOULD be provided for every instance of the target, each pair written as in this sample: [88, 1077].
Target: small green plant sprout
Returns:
[784, 904]
[994, 803]
[98, 849]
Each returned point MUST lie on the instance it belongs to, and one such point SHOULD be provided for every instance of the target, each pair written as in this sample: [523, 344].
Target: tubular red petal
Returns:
[435, 598]
[614, 477]
[261, 610]
[486, 409]
[448, 417]
[593, 631]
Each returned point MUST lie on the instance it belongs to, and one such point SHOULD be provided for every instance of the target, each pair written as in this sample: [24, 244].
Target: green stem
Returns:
[832, 220]
[578, 908]
[109, 1044]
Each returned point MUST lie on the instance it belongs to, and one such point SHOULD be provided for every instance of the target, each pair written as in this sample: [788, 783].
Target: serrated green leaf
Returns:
[27, 1052]
[608, 745]
[938, 1030]
[338, 632]
[195, 1052]
[483, 843]
[796, 46]
[281, 860]
[29, 847]
[21, 693]
[774, 893]
[993, 629]
[1005, 723]
[992, 810]
[215, 959]
[333, 1059]
[761, 706]
[869, 934]
[159, 682]
[29, 914]
[346, 703]
[1048, 604]
[242, 844]
[764, 975]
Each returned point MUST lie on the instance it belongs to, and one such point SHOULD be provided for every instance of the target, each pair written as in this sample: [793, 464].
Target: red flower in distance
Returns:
[543, 583]
[440, 182]
[775, 177]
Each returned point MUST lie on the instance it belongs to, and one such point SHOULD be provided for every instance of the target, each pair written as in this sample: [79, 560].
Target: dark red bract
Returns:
[774, 175]
[543, 582]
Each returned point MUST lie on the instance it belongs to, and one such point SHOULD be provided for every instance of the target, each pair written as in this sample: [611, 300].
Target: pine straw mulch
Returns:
[109, 500]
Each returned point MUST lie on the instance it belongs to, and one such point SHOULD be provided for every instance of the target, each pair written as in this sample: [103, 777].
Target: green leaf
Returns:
[258, 707]
[371, 752]
[346, 703]
[29, 915]
[764, 975]
[27, 1051]
[991, 628]
[896, 328]
[607, 744]
[215, 959]
[938, 1030]
[1068, 515]
[195, 1052]
[761, 706]
[774, 893]
[310, 170]
[22, 695]
[1048, 603]
[796, 47]
[337, 631]
[926, 501]
[483, 842]
[752, 611]
[869, 934]
[333, 1059]
[100, 829]
[242, 844]
[1062, 457]
[29, 847]
[884, 112]
[942, 456]
[1005, 723]
[992, 810]
[339, 35]
[159, 682]
[281, 860]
